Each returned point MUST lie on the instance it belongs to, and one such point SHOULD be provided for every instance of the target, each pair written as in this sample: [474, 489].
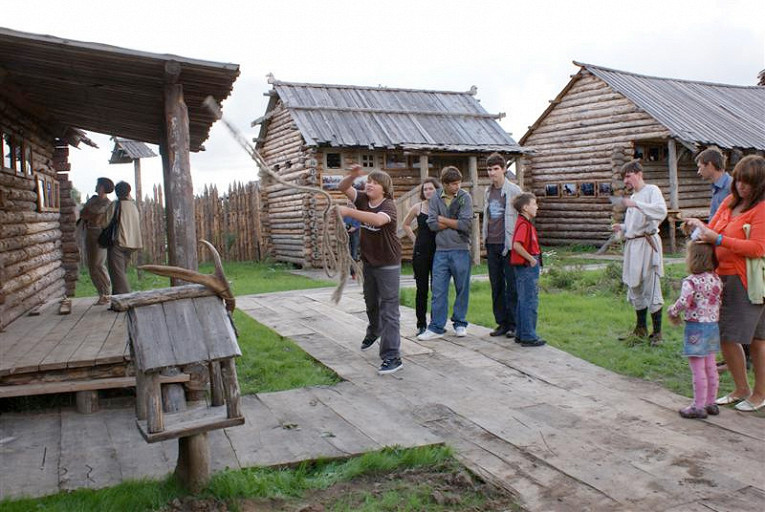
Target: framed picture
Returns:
[587, 189]
[605, 188]
[569, 190]
[330, 181]
[552, 190]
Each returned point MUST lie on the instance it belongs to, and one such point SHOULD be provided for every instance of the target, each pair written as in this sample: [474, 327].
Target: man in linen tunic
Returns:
[643, 254]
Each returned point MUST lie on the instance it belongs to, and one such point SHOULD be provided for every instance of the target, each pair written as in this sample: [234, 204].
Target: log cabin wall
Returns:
[31, 256]
[290, 226]
[584, 139]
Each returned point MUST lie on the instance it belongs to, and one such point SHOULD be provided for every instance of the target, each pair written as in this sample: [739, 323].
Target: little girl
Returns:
[700, 298]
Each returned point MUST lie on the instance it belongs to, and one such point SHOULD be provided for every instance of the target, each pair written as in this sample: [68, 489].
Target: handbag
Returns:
[108, 236]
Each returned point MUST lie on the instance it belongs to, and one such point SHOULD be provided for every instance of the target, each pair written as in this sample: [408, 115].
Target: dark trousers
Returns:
[381, 285]
[422, 264]
[504, 297]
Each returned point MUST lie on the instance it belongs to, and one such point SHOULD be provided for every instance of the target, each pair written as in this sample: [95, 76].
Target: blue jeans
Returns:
[446, 265]
[526, 284]
[502, 278]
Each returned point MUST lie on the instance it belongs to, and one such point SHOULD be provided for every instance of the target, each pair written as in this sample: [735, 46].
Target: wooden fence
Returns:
[231, 222]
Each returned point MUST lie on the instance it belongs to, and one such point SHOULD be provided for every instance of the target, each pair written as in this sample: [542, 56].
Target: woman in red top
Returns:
[741, 322]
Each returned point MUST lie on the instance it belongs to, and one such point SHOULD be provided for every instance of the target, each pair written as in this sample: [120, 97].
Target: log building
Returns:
[54, 88]
[604, 117]
[311, 133]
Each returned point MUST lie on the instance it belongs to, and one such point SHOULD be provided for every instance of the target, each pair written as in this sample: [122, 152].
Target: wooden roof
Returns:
[104, 88]
[381, 117]
[126, 150]
[695, 113]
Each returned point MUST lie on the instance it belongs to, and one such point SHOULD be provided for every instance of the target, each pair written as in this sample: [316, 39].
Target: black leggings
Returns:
[422, 264]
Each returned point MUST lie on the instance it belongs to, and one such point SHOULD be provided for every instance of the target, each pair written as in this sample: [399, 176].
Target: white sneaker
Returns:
[429, 335]
[460, 331]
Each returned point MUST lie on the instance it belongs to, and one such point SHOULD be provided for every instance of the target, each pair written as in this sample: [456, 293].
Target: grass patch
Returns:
[271, 362]
[584, 312]
[417, 479]
[246, 278]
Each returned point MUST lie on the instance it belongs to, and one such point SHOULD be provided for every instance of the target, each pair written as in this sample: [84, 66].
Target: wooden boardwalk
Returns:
[89, 343]
[560, 433]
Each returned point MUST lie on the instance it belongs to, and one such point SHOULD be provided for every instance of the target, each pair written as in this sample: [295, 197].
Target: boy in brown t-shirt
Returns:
[381, 257]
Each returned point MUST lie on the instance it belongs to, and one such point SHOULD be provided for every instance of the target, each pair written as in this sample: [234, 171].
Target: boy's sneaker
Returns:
[429, 335]
[421, 330]
[390, 365]
[368, 342]
[533, 343]
[460, 331]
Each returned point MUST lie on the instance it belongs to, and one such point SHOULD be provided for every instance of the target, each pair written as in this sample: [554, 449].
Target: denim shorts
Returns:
[701, 339]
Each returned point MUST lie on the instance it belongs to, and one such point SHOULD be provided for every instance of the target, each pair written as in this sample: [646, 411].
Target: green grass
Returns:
[271, 362]
[584, 312]
[246, 278]
[287, 485]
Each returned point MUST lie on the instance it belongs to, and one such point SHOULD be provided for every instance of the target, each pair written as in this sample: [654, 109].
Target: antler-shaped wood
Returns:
[216, 281]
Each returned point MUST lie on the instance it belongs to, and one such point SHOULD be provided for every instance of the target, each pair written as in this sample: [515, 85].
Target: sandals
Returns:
[747, 406]
[730, 399]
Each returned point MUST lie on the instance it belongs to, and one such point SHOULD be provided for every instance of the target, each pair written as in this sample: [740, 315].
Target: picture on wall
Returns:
[552, 190]
[605, 188]
[587, 189]
[570, 190]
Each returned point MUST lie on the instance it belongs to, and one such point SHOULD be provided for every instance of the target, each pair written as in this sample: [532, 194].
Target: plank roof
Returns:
[105, 88]
[729, 116]
[382, 117]
[126, 150]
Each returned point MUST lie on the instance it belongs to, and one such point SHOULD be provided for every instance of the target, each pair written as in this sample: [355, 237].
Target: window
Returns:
[552, 190]
[334, 161]
[11, 155]
[605, 188]
[27, 159]
[47, 194]
[587, 189]
[395, 161]
[367, 160]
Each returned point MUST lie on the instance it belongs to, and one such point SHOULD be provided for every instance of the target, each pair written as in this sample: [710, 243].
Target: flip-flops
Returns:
[729, 399]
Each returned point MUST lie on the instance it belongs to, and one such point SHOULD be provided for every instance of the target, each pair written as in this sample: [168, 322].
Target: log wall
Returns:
[32, 243]
[586, 137]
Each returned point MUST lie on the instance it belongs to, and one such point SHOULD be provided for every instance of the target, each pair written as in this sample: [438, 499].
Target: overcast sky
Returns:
[518, 53]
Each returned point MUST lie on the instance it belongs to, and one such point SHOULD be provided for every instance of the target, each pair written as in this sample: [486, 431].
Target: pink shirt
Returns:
[700, 298]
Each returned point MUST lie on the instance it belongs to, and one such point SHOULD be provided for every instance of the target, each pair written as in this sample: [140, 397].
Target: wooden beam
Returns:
[674, 200]
[423, 167]
[179, 191]
[475, 235]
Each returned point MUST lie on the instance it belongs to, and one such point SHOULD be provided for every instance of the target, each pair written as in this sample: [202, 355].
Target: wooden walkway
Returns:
[560, 433]
[89, 343]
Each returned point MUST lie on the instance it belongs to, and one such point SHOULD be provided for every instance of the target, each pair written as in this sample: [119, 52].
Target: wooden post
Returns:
[173, 396]
[475, 245]
[216, 384]
[424, 170]
[155, 421]
[179, 192]
[87, 401]
[138, 200]
[674, 201]
[193, 468]
[231, 387]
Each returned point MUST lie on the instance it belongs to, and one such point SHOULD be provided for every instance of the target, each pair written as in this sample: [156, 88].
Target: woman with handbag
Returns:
[742, 316]
[95, 218]
[128, 238]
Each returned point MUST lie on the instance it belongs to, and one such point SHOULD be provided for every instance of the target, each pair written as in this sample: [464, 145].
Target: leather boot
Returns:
[641, 326]
[655, 337]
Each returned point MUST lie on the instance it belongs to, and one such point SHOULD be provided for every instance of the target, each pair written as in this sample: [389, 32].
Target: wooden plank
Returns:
[190, 422]
[216, 328]
[87, 353]
[30, 449]
[46, 388]
[88, 455]
[28, 356]
[187, 334]
[92, 329]
[116, 347]
[150, 338]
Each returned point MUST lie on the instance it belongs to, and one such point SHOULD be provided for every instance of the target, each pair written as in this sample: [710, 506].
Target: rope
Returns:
[333, 256]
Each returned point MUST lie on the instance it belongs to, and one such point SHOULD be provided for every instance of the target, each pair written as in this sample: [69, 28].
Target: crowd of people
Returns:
[721, 300]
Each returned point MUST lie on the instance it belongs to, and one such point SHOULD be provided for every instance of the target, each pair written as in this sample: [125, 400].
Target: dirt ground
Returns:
[437, 491]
